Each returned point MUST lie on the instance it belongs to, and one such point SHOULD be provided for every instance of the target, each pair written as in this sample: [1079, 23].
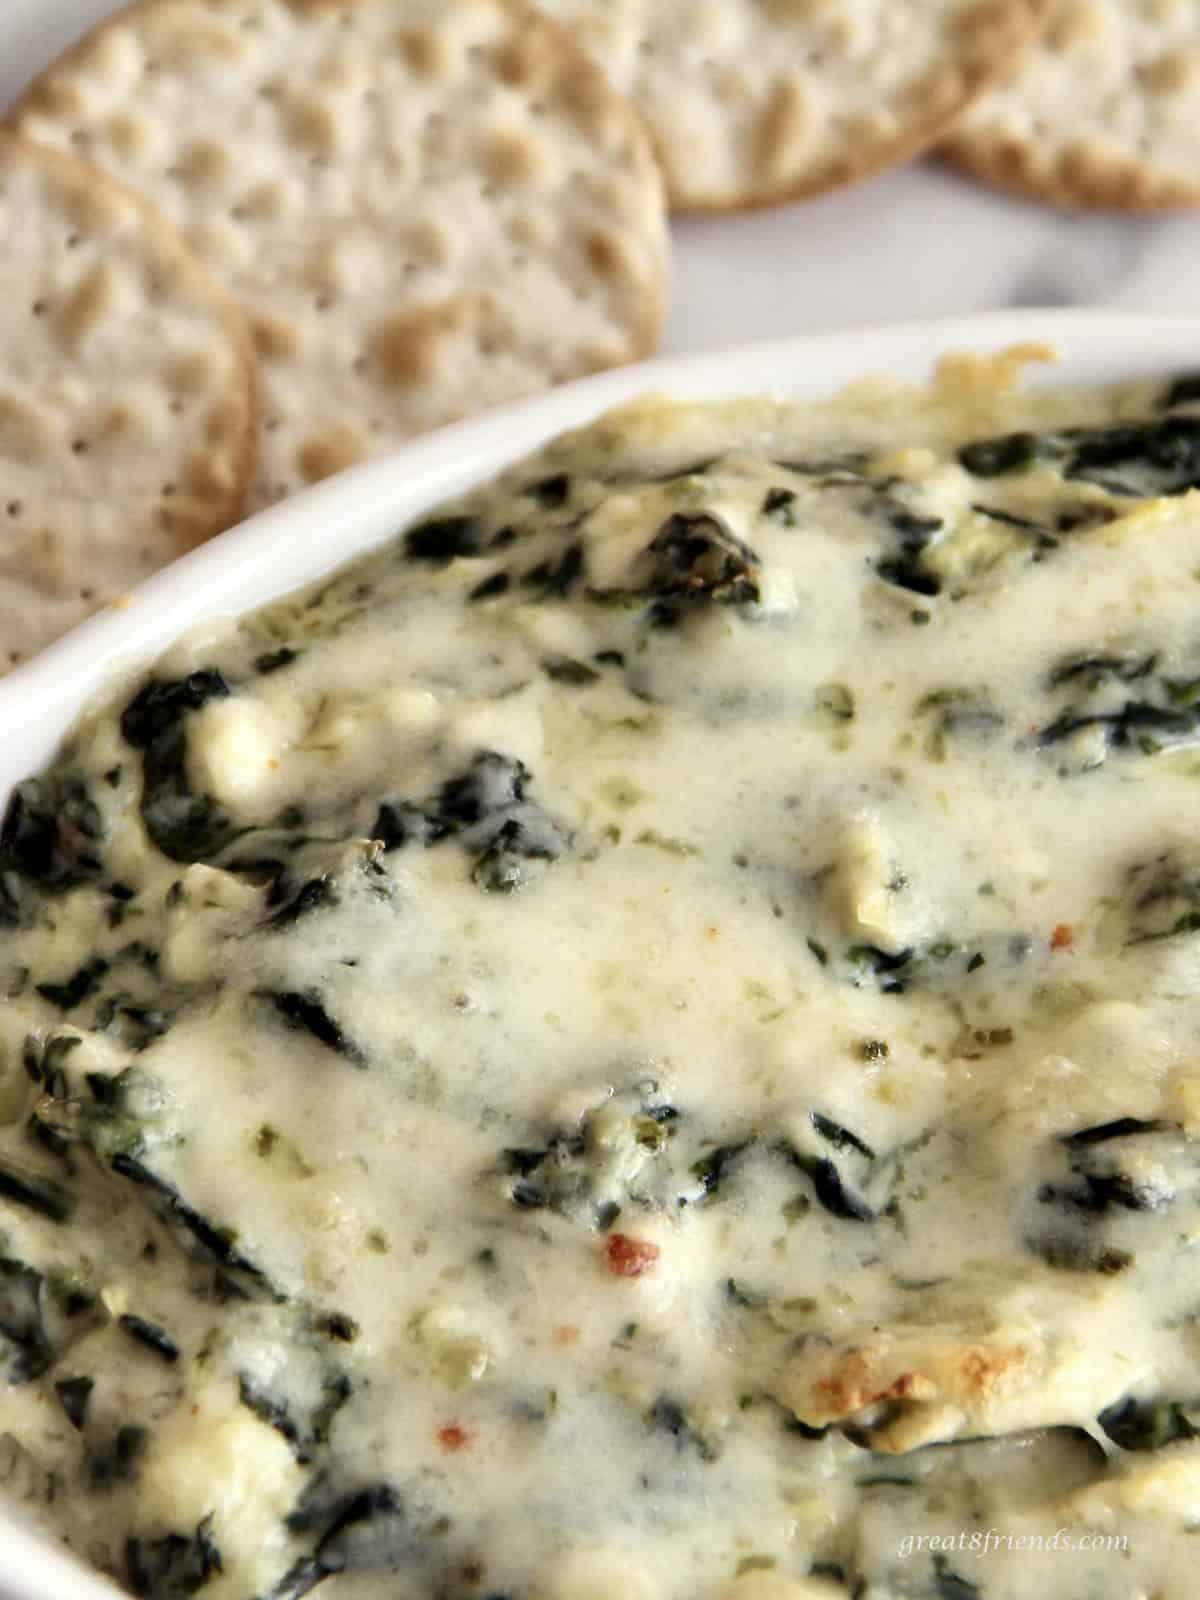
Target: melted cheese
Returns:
[641, 1040]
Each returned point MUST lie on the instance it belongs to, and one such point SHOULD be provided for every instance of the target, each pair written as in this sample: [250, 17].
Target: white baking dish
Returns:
[297, 542]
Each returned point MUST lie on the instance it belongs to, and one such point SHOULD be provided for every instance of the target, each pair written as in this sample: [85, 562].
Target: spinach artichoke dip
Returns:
[641, 1042]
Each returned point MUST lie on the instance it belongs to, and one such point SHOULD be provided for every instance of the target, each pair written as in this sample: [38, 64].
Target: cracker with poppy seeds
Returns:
[425, 208]
[755, 102]
[127, 396]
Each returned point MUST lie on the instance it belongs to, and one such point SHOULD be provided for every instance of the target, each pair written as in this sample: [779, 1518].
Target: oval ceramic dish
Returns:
[330, 525]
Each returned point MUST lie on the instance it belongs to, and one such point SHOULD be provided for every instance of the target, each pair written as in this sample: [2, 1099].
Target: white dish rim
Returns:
[290, 545]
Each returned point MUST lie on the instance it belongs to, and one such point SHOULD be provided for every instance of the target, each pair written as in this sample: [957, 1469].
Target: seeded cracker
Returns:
[1105, 113]
[753, 102]
[127, 406]
[426, 207]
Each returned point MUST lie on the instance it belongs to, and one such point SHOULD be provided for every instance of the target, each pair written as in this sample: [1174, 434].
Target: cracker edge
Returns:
[1081, 178]
[206, 289]
[981, 73]
[586, 71]
[646, 331]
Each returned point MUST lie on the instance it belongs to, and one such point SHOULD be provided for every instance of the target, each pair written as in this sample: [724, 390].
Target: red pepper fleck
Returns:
[1063, 937]
[629, 1258]
[567, 1333]
[453, 1438]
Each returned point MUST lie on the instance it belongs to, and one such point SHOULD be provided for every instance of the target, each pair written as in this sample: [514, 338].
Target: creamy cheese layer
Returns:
[642, 1041]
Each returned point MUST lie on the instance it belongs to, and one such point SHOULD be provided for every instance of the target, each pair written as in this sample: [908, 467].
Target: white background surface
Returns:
[915, 243]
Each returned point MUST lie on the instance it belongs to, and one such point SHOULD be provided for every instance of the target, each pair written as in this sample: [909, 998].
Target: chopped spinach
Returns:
[840, 1138]
[366, 1530]
[440, 539]
[493, 783]
[994, 458]
[136, 1026]
[157, 708]
[778, 504]
[74, 1395]
[34, 1192]
[837, 701]
[487, 810]
[1163, 901]
[194, 1231]
[563, 669]
[957, 715]
[514, 856]
[1095, 670]
[1138, 459]
[1097, 1181]
[184, 826]
[693, 558]
[1069, 1253]
[1098, 1184]
[41, 1317]
[838, 1189]
[641, 475]
[117, 1459]
[907, 569]
[1149, 1424]
[113, 1116]
[747, 1299]
[282, 1412]
[666, 1415]
[849, 467]
[173, 1567]
[1139, 726]
[400, 823]
[489, 588]
[338, 1326]
[1184, 391]
[305, 1010]
[1119, 1128]
[550, 493]
[150, 1335]
[1010, 520]
[370, 1532]
[556, 578]
[21, 1322]
[48, 838]
[831, 1570]
[1129, 459]
[275, 660]
[710, 1170]
[294, 903]
[78, 987]
[608, 1160]
[948, 1585]
[12, 899]
[889, 967]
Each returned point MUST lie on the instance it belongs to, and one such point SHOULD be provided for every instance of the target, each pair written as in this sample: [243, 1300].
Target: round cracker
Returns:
[425, 207]
[127, 396]
[755, 102]
[1105, 112]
